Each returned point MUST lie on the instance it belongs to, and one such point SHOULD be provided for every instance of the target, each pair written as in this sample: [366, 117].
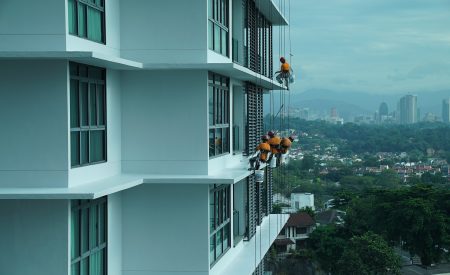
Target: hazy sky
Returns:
[376, 46]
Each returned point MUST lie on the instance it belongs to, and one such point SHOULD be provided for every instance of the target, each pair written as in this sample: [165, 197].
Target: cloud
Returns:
[370, 45]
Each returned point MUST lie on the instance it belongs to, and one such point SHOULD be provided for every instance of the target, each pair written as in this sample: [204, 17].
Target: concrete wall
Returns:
[112, 167]
[170, 31]
[32, 25]
[112, 46]
[34, 119]
[165, 230]
[34, 237]
[114, 245]
[164, 122]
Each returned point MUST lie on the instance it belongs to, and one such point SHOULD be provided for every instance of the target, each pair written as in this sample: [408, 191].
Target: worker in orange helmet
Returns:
[285, 144]
[274, 142]
[284, 72]
[264, 149]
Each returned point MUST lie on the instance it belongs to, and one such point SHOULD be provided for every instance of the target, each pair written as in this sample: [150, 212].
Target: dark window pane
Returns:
[216, 38]
[73, 68]
[97, 145]
[93, 226]
[102, 223]
[72, 14]
[84, 147]
[212, 246]
[83, 71]
[218, 141]
[84, 267]
[75, 270]
[94, 25]
[101, 104]
[92, 105]
[81, 20]
[95, 73]
[75, 148]
[212, 146]
[84, 103]
[226, 237]
[219, 243]
[211, 35]
[84, 230]
[224, 40]
[226, 140]
[75, 234]
[74, 104]
[211, 105]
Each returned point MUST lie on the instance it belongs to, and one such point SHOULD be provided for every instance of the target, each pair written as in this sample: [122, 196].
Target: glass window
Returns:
[88, 243]
[218, 26]
[219, 115]
[87, 115]
[87, 19]
[219, 214]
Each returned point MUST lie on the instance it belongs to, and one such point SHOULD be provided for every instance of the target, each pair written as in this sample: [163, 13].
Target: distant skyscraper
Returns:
[383, 111]
[333, 112]
[408, 109]
[446, 110]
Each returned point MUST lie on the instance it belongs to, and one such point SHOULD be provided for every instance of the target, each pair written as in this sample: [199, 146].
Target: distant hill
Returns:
[349, 104]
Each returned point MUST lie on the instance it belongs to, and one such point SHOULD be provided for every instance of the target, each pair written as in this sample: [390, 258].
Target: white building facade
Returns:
[302, 200]
[127, 130]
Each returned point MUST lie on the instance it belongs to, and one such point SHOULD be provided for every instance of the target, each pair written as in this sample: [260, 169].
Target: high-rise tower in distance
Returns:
[408, 109]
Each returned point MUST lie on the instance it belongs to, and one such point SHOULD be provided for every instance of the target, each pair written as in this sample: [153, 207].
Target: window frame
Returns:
[101, 8]
[77, 207]
[88, 128]
[219, 89]
[221, 220]
[218, 20]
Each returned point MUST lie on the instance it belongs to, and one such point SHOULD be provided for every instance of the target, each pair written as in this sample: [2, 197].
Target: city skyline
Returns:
[369, 46]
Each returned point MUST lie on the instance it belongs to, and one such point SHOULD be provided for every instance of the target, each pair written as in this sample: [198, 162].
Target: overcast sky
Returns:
[376, 46]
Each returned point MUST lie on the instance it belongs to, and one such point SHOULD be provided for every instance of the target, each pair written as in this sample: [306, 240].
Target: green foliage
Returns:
[327, 244]
[339, 253]
[414, 139]
[418, 217]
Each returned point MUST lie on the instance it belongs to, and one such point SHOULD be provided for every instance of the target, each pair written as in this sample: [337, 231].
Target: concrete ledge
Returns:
[121, 182]
[87, 57]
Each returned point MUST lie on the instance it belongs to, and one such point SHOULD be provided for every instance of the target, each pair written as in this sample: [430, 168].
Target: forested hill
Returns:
[376, 138]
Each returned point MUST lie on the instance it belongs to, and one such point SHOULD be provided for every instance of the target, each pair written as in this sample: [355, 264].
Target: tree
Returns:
[327, 244]
[307, 162]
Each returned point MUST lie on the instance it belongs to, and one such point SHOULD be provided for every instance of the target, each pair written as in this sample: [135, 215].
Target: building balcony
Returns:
[246, 255]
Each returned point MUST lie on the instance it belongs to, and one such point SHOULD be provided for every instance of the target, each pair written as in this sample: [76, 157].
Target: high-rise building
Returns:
[383, 111]
[446, 110]
[408, 109]
[126, 137]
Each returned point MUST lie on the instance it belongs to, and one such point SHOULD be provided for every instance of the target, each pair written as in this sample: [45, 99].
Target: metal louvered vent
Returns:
[259, 40]
[251, 203]
[254, 127]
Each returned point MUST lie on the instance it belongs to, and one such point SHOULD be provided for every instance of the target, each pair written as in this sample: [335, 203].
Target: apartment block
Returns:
[127, 131]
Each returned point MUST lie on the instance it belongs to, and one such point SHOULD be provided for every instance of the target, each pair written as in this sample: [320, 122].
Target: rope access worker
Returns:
[274, 142]
[262, 153]
[264, 149]
[284, 72]
[285, 144]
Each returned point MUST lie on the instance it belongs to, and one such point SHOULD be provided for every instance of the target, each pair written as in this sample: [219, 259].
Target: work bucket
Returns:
[273, 162]
[259, 176]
